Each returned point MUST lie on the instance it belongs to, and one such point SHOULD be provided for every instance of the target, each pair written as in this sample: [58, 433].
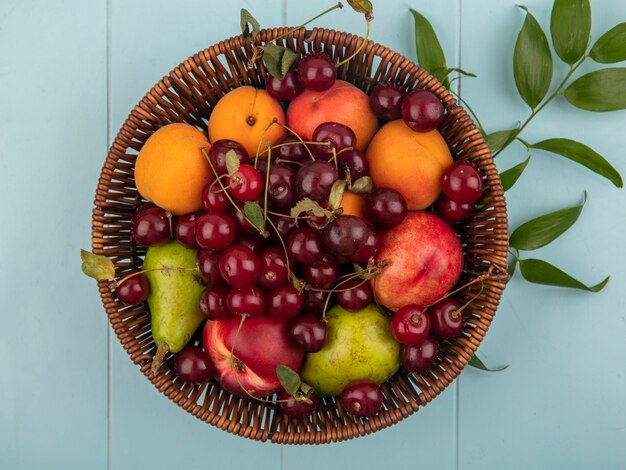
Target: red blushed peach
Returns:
[343, 103]
[424, 261]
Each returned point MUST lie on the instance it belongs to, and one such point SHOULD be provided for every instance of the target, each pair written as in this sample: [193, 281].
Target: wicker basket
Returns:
[188, 94]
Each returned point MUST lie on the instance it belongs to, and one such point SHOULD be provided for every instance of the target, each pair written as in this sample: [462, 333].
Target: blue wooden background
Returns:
[70, 398]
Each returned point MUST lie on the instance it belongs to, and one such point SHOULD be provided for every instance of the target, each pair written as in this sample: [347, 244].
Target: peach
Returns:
[343, 103]
[424, 261]
[410, 162]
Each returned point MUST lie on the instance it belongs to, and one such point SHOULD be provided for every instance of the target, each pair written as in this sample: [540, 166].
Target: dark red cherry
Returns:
[362, 398]
[309, 331]
[151, 226]
[274, 271]
[315, 179]
[452, 212]
[345, 235]
[218, 151]
[323, 273]
[208, 264]
[246, 301]
[446, 318]
[287, 88]
[284, 302]
[354, 295]
[215, 231]
[353, 163]
[291, 149]
[420, 357]
[133, 290]
[213, 303]
[239, 266]
[385, 101]
[422, 111]
[317, 72]
[371, 247]
[282, 192]
[410, 325]
[193, 365]
[214, 199]
[185, 229]
[305, 245]
[339, 138]
[297, 409]
[385, 207]
[462, 182]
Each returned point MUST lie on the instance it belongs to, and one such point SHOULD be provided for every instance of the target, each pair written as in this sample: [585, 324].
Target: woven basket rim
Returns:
[266, 426]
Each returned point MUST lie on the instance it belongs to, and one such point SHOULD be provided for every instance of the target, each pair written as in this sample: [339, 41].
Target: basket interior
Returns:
[188, 94]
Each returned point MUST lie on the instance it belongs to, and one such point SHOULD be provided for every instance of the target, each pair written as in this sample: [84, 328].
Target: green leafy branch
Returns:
[601, 90]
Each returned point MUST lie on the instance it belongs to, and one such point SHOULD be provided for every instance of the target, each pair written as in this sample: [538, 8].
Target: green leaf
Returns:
[602, 90]
[509, 177]
[582, 154]
[363, 185]
[310, 207]
[500, 139]
[278, 60]
[611, 47]
[336, 194]
[254, 214]
[478, 364]
[232, 162]
[430, 55]
[97, 267]
[532, 62]
[541, 272]
[247, 21]
[288, 378]
[545, 229]
[362, 6]
[570, 25]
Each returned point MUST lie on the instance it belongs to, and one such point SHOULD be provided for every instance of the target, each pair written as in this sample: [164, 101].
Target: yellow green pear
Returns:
[174, 298]
[359, 346]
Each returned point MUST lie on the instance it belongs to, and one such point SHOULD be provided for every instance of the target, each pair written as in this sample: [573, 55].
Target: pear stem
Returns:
[161, 352]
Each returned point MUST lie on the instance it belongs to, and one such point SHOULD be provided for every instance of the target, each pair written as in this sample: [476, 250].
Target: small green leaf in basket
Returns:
[97, 267]
[600, 91]
[532, 62]
[363, 6]
[430, 55]
[542, 230]
[232, 162]
[254, 214]
[250, 27]
[500, 139]
[336, 194]
[363, 185]
[478, 364]
[278, 60]
[570, 25]
[541, 272]
[611, 47]
[288, 378]
[509, 177]
[311, 207]
[582, 154]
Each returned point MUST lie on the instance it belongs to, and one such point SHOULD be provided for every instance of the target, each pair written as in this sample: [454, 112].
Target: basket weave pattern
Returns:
[188, 94]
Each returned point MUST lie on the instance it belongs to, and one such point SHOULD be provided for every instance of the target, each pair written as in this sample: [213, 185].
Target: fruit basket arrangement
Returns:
[244, 400]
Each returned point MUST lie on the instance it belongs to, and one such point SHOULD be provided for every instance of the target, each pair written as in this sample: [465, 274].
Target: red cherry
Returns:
[420, 357]
[362, 398]
[214, 199]
[218, 151]
[215, 231]
[452, 212]
[245, 184]
[239, 266]
[151, 226]
[340, 137]
[446, 321]
[208, 264]
[354, 294]
[133, 290]
[309, 331]
[193, 365]
[246, 301]
[422, 111]
[287, 88]
[410, 325]
[213, 303]
[462, 182]
[317, 72]
[284, 302]
[385, 101]
[185, 229]
[297, 409]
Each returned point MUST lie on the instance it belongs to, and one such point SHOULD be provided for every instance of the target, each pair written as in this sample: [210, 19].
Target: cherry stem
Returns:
[217, 178]
[292, 30]
[452, 292]
[258, 149]
[267, 181]
[161, 352]
[143, 271]
[361, 46]
[284, 126]
[282, 242]
[288, 216]
[457, 312]
[169, 216]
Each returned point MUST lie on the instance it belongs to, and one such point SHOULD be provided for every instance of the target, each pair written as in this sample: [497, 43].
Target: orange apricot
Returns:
[245, 115]
[343, 103]
[353, 204]
[410, 162]
[171, 169]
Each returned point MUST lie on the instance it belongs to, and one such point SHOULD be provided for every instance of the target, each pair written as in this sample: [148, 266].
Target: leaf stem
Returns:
[292, 30]
[536, 111]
